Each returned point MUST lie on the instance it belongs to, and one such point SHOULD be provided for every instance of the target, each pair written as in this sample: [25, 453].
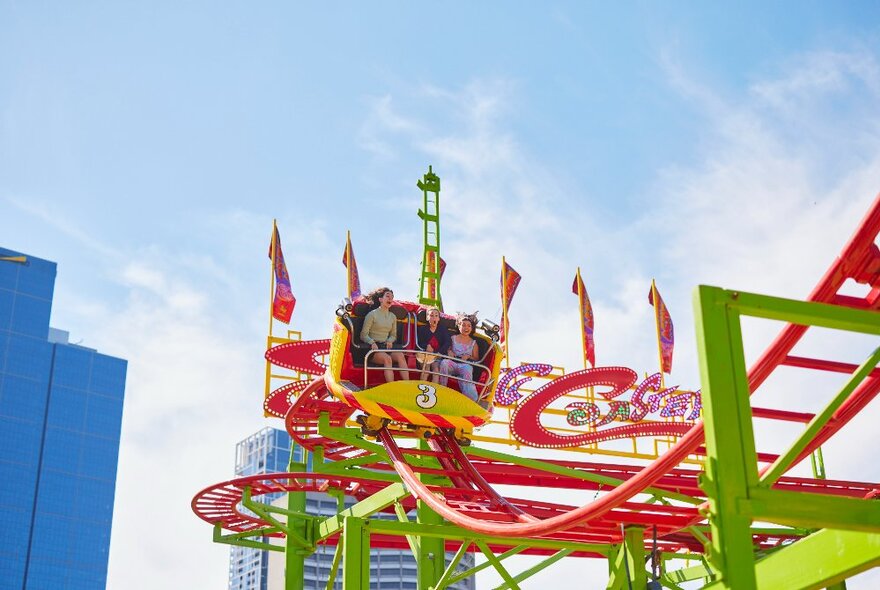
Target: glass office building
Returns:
[268, 451]
[60, 416]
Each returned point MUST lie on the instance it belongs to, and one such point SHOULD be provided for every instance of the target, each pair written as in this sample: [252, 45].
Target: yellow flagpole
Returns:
[271, 308]
[655, 298]
[348, 262]
[272, 249]
[504, 312]
[580, 284]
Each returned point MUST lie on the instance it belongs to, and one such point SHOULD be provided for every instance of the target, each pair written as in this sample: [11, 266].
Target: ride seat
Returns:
[448, 323]
[359, 348]
[480, 374]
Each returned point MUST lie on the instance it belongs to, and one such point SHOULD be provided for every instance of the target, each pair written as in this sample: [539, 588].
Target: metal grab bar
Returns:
[477, 384]
[482, 388]
[489, 348]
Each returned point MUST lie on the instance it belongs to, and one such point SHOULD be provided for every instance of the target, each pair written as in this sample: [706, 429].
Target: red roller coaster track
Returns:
[470, 500]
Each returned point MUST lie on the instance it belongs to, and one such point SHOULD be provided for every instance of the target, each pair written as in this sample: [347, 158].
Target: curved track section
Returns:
[460, 487]
[860, 260]
[220, 503]
[454, 460]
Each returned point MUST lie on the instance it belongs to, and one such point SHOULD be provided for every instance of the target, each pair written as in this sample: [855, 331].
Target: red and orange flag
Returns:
[665, 333]
[509, 282]
[353, 279]
[284, 301]
[586, 314]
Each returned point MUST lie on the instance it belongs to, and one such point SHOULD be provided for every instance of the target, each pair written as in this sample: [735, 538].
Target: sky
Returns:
[147, 148]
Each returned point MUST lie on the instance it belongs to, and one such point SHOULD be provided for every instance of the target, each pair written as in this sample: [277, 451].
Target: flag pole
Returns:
[581, 288]
[272, 249]
[271, 308]
[504, 323]
[348, 262]
[580, 284]
[654, 300]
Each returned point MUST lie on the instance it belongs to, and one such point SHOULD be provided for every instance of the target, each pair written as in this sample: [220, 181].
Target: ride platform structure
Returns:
[672, 487]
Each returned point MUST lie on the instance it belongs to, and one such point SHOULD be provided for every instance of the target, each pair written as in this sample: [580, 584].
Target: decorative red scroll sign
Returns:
[301, 356]
[610, 383]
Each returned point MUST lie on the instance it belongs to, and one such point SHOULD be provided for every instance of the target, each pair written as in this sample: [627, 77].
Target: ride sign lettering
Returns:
[609, 383]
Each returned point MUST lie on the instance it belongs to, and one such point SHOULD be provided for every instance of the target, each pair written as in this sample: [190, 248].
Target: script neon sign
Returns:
[609, 382]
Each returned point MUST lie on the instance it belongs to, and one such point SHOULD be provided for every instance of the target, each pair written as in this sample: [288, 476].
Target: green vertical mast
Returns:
[429, 285]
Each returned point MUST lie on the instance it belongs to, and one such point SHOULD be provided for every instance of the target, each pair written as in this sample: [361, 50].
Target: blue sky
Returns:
[147, 147]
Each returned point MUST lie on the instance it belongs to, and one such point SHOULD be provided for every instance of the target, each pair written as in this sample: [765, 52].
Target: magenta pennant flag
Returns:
[509, 282]
[284, 301]
[586, 310]
[665, 333]
[353, 279]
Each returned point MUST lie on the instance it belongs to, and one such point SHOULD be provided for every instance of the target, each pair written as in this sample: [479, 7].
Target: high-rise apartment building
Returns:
[268, 451]
[60, 417]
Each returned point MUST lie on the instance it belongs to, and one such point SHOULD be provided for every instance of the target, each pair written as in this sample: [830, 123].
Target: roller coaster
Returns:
[711, 510]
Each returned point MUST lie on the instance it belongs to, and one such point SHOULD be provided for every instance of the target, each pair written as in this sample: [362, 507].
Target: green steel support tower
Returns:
[429, 284]
[742, 523]
[845, 532]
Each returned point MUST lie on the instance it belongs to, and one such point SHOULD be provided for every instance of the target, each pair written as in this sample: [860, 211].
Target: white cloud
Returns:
[814, 76]
[193, 374]
[383, 119]
[56, 217]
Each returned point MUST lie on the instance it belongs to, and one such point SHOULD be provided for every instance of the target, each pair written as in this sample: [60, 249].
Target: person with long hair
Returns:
[431, 338]
[380, 332]
[464, 349]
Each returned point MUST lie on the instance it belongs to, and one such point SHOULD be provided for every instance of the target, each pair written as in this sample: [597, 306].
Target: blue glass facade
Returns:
[267, 451]
[60, 417]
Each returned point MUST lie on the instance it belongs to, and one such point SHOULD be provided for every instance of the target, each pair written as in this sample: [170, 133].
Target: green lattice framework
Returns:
[841, 536]
[846, 531]
[429, 283]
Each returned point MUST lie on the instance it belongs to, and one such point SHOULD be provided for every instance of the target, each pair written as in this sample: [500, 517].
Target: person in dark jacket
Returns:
[431, 338]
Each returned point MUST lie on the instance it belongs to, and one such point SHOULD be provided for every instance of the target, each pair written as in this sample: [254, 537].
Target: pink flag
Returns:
[509, 282]
[284, 301]
[586, 309]
[353, 279]
[665, 334]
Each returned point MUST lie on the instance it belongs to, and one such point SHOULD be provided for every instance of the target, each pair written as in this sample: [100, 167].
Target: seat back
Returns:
[480, 374]
[404, 337]
[357, 347]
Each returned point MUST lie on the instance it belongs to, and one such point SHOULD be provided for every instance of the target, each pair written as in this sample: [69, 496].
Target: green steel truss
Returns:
[429, 284]
[846, 540]
[841, 536]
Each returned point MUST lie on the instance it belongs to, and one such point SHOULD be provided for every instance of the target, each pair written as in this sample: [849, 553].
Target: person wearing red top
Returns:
[432, 339]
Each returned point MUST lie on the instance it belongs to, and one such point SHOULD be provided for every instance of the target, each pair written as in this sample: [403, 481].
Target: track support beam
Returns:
[356, 554]
[431, 551]
[737, 496]
[805, 564]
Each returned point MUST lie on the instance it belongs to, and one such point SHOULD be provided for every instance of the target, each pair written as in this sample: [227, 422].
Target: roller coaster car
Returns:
[416, 406]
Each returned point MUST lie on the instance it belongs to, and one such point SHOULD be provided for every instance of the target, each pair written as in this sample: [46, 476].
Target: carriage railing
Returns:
[482, 358]
[482, 388]
[344, 312]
